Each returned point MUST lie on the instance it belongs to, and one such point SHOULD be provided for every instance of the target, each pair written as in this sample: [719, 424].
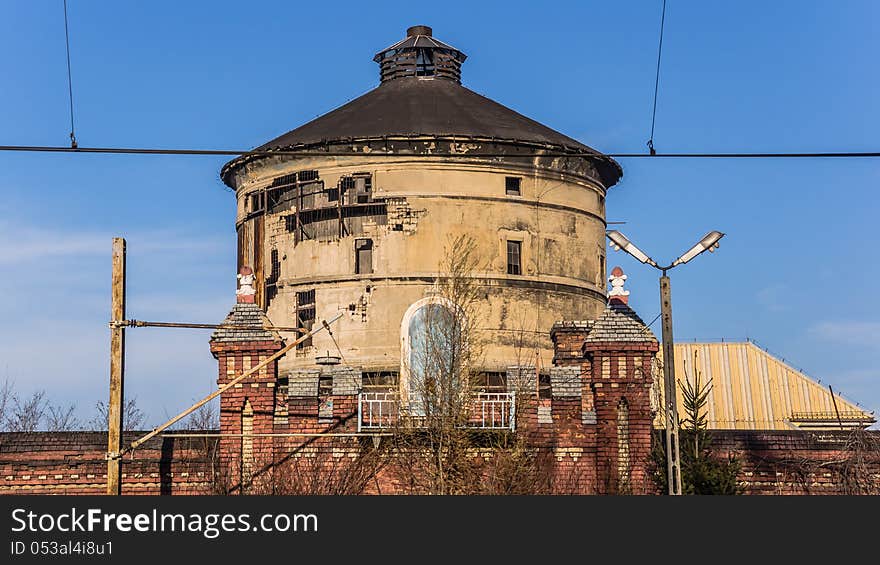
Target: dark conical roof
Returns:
[421, 95]
[413, 106]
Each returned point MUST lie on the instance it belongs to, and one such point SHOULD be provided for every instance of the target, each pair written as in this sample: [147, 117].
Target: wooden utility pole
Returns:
[117, 370]
[673, 469]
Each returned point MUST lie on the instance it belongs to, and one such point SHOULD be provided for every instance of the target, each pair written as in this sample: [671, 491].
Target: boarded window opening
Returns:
[327, 214]
[514, 257]
[512, 186]
[363, 256]
[305, 314]
[356, 189]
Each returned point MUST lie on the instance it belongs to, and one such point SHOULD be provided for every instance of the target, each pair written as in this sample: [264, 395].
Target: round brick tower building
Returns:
[355, 210]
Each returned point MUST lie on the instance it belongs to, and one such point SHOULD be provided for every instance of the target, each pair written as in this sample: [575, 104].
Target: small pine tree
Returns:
[702, 470]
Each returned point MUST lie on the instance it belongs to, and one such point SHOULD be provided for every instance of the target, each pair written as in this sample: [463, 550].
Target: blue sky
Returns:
[797, 270]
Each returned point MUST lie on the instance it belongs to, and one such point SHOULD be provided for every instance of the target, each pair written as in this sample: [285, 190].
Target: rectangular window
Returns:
[305, 314]
[271, 283]
[356, 189]
[363, 256]
[512, 186]
[514, 257]
[544, 388]
[363, 187]
[257, 202]
[325, 402]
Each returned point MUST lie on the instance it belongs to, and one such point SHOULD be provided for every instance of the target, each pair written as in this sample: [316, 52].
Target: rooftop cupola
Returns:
[420, 55]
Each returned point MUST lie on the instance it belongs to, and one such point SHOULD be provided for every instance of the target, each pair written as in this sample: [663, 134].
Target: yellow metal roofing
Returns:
[754, 390]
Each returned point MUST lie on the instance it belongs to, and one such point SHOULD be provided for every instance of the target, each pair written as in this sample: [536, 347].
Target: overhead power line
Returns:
[657, 80]
[69, 79]
[295, 153]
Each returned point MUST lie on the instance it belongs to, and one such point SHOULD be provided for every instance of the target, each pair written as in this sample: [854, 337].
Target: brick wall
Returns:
[73, 463]
[773, 462]
[801, 462]
[296, 434]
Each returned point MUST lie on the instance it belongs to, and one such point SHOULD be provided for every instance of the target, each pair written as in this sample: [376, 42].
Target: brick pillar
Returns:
[601, 405]
[621, 380]
[249, 405]
[571, 410]
[621, 351]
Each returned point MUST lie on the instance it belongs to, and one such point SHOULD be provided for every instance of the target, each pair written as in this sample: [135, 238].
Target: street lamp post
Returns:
[710, 243]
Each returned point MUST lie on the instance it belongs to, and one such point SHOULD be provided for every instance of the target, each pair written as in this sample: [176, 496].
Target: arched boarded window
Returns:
[431, 355]
[623, 458]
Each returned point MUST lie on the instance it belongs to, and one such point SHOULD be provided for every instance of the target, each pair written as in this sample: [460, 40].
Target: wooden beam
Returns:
[117, 370]
[253, 370]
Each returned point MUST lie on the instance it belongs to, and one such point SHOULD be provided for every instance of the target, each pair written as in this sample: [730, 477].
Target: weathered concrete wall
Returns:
[558, 217]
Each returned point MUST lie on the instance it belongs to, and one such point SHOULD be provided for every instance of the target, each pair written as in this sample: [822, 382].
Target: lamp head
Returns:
[708, 243]
[619, 241]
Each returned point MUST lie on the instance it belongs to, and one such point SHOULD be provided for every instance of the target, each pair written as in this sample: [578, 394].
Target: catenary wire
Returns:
[295, 153]
[69, 79]
[657, 80]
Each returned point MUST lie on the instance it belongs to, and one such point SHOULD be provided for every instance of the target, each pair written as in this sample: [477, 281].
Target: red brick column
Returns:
[247, 410]
[621, 380]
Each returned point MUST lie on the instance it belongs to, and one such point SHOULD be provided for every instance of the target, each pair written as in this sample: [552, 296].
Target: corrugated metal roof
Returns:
[754, 390]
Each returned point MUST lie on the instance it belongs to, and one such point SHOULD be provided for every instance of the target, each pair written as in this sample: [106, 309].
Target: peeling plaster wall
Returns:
[558, 217]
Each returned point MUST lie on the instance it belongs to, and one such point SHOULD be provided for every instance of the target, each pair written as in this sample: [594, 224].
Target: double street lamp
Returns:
[708, 243]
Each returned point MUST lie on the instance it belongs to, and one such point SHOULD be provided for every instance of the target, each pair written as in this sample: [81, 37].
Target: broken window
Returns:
[381, 381]
[256, 202]
[305, 314]
[271, 283]
[356, 189]
[325, 400]
[512, 186]
[307, 176]
[280, 192]
[490, 381]
[363, 256]
[323, 224]
[328, 214]
[545, 390]
[514, 257]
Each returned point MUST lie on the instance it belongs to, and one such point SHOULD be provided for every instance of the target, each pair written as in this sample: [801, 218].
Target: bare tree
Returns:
[432, 443]
[436, 449]
[132, 416]
[25, 415]
[6, 394]
[205, 417]
[61, 418]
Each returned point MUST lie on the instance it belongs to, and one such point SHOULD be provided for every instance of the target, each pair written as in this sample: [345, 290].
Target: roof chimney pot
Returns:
[418, 30]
